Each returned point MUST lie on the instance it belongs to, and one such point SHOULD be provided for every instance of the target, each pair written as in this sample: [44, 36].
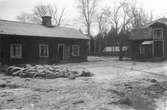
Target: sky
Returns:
[10, 9]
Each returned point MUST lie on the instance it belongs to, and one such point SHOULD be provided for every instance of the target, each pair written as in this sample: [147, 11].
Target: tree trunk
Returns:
[88, 33]
[94, 46]
[88, 29]
[120, 53]
[120, 49]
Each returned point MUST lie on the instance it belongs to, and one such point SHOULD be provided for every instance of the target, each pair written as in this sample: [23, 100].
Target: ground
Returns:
[116, 85]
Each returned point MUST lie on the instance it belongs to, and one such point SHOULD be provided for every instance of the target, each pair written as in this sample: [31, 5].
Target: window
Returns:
[142, 50]
[43, 50]
[75, 50]
[15, 50]
[158, 34]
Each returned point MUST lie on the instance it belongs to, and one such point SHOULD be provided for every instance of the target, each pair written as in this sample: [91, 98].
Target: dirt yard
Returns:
[116, 85]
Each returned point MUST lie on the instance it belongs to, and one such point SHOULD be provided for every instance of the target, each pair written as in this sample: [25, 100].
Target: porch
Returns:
[147, 49]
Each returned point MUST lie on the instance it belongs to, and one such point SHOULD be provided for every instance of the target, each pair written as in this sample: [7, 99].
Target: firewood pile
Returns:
[46, 71]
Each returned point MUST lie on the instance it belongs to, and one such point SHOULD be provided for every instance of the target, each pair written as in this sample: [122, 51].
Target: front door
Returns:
[67, 52]
[61, 51]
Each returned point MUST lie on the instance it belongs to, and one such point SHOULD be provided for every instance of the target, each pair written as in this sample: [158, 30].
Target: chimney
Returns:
[46, 21]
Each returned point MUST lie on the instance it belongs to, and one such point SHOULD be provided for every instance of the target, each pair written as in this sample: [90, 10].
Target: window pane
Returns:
[158, 34]
[43, 50]
[75, 50]
[15, 51]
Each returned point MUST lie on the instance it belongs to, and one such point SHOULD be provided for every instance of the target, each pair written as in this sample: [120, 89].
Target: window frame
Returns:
[18, 54]
[40, 47]
[61, 44]
[155, 37]
[78, 52]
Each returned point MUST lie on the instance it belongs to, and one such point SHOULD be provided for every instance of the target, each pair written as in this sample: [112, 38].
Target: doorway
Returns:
[158, 48]
[61, 51]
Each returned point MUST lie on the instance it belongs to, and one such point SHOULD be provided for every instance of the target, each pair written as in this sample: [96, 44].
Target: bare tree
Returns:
[125, 16]
[43, 10]
[140, 17]
[87, 11]
[102, 22]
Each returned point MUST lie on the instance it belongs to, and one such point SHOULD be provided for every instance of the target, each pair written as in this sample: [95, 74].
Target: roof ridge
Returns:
[36, 24]
[19, 22]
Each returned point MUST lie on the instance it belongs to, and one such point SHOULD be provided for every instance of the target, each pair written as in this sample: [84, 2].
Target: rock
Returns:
[71, 76]
[2, 83]
[77, 73]
[154, 80]
[78, 102]
[86, 73]
[125, 101]
[51, 76]
[46, 71]
[66, 74]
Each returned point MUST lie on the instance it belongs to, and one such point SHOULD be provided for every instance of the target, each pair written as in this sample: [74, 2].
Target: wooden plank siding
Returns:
[30, 49]
[134, 44]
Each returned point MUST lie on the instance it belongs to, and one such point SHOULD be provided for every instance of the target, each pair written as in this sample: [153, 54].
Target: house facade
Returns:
[150, 40]
[25, 43]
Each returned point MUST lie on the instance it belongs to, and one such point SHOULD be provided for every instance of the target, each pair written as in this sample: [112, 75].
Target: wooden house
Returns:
[24, 43]
[149, 41]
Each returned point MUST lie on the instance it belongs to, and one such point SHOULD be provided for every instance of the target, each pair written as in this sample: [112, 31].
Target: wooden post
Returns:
[153, 45]
[153, 49]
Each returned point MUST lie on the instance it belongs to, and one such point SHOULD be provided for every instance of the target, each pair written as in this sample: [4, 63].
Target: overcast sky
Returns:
[9, 9]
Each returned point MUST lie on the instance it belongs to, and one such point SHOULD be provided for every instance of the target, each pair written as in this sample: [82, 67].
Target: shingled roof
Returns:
[29, 29]
[145, 32]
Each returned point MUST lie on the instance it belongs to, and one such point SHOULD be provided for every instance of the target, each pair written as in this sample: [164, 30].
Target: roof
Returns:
[29, 29]
[147, 42]
[141, 34]
[114, 48]
[161, 20]
[144, 32]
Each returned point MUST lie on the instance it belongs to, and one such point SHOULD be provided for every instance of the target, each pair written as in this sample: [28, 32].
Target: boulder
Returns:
[2, 83]
[71, 76]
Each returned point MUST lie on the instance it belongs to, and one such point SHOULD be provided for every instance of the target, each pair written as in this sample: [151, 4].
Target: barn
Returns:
[27, 43]
[150, 41]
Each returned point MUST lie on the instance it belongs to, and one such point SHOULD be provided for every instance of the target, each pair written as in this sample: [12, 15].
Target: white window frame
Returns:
[154, 36]
[47, 47]
[78, 52]
[18, 51]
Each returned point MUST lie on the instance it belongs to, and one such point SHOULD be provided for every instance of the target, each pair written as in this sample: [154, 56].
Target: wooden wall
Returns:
[30, 49]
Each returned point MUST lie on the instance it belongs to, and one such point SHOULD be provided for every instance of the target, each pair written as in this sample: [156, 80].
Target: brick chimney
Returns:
[46, 21]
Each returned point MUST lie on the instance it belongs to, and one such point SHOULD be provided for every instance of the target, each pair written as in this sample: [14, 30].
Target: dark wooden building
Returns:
[150, 40]
[40, 44]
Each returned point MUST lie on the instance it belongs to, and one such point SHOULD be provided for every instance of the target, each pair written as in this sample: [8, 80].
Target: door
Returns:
[158, 48]
[67, 52]
[61, 51]
[148, 51]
